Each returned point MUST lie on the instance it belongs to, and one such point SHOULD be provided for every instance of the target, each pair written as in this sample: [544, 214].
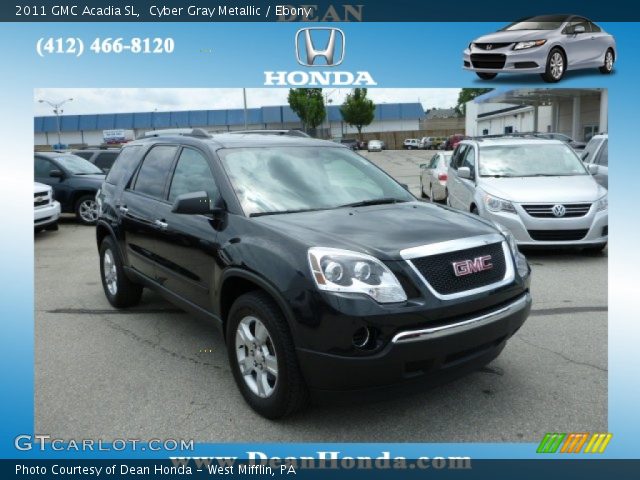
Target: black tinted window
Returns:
[458, 155]
[192, 174]
[155, 170]
[85, 155]
[594, 27]
[470, 161]
[105, 160]
[124, 166]
[42, 167]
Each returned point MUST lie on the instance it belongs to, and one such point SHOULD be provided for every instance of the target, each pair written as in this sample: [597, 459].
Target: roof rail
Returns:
[509, 135]
[291, 132]
[187, 132]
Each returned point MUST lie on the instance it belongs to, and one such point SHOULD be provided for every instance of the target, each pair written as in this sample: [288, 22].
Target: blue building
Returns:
[88, 129]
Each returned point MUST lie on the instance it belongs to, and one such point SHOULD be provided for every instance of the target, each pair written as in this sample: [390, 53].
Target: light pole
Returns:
[328, 101]
[57, 111]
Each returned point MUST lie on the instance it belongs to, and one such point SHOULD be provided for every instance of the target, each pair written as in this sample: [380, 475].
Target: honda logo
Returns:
[312, 45]
[489, 46]
[467, 267]
[559, 210]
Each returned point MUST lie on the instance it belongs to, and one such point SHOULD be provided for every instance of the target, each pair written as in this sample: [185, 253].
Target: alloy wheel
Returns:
[256, 356]
[110, 272]
[557, 65]
[608, 61]
[88, 211]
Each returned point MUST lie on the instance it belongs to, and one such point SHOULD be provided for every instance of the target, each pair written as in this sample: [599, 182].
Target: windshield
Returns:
[286, 179]
[78, 165]
[544, 22]
[529, 160]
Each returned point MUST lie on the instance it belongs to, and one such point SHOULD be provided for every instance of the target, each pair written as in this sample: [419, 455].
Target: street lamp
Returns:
[57, 111]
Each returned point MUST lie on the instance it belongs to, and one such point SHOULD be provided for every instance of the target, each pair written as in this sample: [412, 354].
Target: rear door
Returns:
[187, 247]
[138, 208]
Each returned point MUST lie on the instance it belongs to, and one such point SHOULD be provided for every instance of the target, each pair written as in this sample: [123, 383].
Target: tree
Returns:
[466, 95]
[308, 104]
[358, 110]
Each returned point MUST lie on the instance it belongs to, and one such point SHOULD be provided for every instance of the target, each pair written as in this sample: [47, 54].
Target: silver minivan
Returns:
[538, 189]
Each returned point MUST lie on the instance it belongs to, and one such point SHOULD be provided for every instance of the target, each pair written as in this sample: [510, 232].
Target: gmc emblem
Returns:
[467, 267]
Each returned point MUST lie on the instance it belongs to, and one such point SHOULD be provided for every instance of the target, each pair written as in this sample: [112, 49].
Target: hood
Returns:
[577, 188]
[513, 36]
[94, 177]
[381, 230]
[40, 187]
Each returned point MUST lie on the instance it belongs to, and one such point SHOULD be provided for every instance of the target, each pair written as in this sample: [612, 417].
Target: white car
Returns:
[596, 153]
[46, 210]
[433, 177]
[538, 189]
[411, 143]
[375, 146]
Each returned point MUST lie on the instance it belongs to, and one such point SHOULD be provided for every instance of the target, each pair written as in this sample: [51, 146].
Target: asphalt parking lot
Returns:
[155, 372]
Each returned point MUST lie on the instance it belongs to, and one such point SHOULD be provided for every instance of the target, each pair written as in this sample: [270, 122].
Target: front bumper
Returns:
[46, 215]
[419, 357]
[529, 60]
[522, 226]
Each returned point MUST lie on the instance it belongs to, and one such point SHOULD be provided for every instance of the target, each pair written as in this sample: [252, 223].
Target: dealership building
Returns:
[89, 129]
[577, 112]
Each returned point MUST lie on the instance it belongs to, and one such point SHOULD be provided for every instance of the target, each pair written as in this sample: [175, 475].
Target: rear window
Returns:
[105, 160]
[124, 166]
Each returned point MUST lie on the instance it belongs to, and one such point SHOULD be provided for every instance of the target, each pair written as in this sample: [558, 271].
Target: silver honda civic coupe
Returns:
[547, 44]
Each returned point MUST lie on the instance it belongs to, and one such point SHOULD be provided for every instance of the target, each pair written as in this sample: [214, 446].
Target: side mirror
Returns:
[405, 186]
[197, 203]
[578, 29]
[56, 174]
[593, 169]
[464, 172]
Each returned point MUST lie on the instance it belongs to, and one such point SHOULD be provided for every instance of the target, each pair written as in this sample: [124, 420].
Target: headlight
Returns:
[470, 45]
[603, 203]
[530, 44]
[336, 270]
[495, 204]
[511, 240]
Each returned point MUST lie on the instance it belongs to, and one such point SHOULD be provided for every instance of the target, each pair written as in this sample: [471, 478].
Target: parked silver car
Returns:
[538, 189]
[433, 177]
[375, 146]
[596, 153]
[546, 44]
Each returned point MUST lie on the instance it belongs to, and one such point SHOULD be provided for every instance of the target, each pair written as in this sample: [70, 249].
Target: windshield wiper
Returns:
[375, 201]
[283, 212]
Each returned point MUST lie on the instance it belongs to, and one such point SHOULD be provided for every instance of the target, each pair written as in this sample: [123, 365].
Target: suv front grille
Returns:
[558, 235]
[438, 270]
[488, 60]
[40, 199]
[546, 211]
[491, 46]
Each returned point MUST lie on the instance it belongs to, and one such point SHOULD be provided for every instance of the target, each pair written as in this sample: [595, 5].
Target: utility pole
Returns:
[57, 110]
[244, 98]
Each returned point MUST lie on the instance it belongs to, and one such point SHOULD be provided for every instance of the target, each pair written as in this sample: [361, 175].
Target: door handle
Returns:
[160, 224]
[123, 210]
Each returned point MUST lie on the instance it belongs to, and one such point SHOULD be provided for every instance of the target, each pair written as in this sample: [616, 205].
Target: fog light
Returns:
[361, 337]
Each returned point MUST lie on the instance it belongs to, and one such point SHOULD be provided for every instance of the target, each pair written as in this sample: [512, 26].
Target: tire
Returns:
[119, 290]
[53, 227]
[609, 58]
[283, 393]
[595, 250]
[486, 76]
[86, 209]
[556, 66]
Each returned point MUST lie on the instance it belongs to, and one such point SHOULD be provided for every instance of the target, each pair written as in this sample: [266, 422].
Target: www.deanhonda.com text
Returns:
[321, 460]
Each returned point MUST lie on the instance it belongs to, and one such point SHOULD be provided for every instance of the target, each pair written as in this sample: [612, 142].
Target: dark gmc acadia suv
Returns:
[323, 273]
